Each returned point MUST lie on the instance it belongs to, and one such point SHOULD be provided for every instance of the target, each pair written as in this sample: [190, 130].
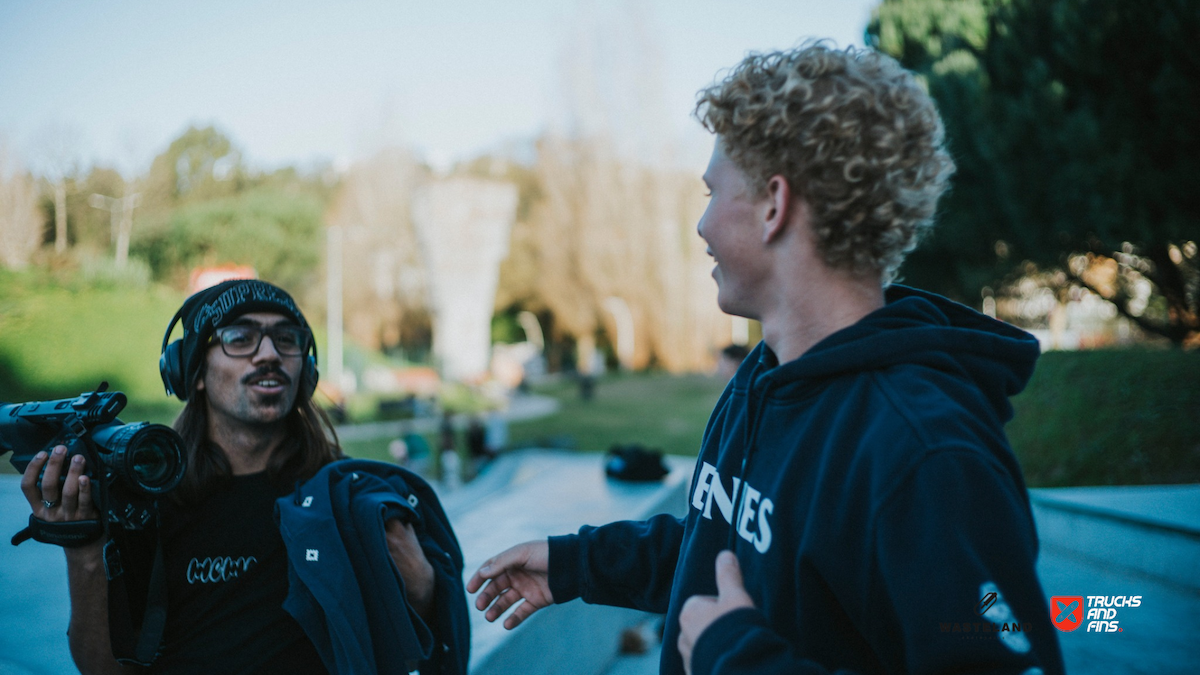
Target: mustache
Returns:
[262, 372]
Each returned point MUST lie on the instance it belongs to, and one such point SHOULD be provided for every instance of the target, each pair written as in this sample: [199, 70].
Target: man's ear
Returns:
[200, 375]
[778, 208]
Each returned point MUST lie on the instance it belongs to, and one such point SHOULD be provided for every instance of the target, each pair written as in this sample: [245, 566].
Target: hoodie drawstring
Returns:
[754, 411]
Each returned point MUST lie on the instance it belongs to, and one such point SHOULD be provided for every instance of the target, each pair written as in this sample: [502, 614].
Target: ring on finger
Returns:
[49, 504]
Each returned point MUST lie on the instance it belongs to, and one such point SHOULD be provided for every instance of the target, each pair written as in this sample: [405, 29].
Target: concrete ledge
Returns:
[533, 494]
[1152, 530]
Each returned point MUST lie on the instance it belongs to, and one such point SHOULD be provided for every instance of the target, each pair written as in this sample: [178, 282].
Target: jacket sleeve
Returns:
[951, 535]
[626, 564]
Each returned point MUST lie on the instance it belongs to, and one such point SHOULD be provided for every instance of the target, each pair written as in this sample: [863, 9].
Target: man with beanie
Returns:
[246, 367]
[855, 507]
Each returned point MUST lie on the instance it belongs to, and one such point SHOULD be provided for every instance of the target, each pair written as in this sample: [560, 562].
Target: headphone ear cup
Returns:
[170, 367]
[309, 377]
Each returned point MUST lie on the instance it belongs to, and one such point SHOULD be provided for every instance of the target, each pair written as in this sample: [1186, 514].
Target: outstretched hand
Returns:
[700, 611]
[520, 573]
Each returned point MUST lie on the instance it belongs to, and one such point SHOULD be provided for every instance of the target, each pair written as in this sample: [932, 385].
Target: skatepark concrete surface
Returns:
[1110, 541]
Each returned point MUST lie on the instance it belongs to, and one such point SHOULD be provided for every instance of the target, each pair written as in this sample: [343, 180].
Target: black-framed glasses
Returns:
[245, 339]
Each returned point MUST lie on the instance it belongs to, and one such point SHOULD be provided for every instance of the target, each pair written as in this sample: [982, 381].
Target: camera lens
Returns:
[153, 460]
[148, 457]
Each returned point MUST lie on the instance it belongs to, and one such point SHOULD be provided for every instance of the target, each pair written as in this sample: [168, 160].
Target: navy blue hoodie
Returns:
[883, 524]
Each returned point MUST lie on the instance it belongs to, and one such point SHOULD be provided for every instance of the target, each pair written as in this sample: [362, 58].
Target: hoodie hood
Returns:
[914, 327]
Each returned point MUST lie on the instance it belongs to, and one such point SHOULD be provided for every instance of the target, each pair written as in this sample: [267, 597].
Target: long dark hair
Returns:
[310, 444]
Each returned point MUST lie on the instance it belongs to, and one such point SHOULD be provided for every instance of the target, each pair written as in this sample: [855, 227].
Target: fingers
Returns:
[694, 617]
[514, 579]
[504, 599]
[29, 479]
[492, 591]
[70, 488]
[729, 574]
[86, 509]
[495, 566]
[522, 612]
[731, 586]
[72, 500]
[50, 487]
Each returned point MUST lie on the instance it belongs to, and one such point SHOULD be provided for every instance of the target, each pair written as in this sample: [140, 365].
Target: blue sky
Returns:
[300, 82]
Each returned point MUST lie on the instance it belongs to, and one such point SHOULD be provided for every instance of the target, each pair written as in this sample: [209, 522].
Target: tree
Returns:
[1074, 130]
[384, 285]
[278, 234]
[201, 164]
[59, 145]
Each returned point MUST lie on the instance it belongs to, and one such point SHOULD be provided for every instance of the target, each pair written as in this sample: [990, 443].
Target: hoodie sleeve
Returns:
[625, 564]
[954, 587]
[955, 546]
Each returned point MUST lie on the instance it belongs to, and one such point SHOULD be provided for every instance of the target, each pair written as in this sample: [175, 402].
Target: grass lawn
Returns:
[658, 411]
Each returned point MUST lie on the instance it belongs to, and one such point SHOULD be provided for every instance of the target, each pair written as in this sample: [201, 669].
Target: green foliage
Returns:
[1073, 128]
[505, 327]
[278, 234]
[200, 164]
[59, 338]
[1110, 418]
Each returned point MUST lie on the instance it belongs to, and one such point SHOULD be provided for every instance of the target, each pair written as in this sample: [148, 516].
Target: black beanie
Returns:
[212, 308]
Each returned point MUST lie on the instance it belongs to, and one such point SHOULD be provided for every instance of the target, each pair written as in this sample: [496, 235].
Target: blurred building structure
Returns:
[463, 227]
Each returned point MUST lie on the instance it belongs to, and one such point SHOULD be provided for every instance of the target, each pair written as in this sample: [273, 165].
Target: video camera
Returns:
[131, 465]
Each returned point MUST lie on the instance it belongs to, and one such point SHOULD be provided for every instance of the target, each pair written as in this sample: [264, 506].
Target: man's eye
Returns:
[237, 337]
[287, 338]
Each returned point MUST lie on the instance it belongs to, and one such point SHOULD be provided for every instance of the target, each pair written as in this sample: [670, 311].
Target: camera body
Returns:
[130, 465]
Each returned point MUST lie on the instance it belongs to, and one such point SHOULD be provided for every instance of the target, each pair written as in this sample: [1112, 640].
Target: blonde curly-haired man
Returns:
[855, 507]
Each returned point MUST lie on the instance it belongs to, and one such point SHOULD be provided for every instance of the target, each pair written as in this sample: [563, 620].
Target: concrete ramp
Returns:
[1110, 543]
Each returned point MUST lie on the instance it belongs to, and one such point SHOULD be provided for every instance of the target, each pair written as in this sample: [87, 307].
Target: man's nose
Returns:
[266, 351]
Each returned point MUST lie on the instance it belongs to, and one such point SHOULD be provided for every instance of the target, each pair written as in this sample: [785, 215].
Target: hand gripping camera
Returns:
[131, 465]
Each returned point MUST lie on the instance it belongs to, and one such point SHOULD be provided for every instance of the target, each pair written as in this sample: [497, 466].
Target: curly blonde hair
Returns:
[853, 133]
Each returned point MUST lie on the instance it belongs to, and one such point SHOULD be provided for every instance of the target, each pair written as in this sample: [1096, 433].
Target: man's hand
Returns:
[700, 611]
[413, 566]
[52, 503]
[520, 573]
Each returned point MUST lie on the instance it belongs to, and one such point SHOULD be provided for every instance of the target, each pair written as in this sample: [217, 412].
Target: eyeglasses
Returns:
[245, 339]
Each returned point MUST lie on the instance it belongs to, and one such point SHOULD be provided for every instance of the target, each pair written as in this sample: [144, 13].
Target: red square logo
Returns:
[1066, 611]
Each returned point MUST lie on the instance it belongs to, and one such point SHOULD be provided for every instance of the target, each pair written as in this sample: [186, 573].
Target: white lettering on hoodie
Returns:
[754, 525]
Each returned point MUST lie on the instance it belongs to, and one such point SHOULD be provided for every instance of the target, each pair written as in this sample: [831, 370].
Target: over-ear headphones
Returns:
[173, 369]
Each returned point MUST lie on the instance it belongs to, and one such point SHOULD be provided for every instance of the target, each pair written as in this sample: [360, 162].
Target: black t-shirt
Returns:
[226, 582]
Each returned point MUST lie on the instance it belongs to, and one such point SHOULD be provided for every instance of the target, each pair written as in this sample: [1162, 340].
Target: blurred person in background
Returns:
[237, 528]
[730, 360]
[855, 502]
